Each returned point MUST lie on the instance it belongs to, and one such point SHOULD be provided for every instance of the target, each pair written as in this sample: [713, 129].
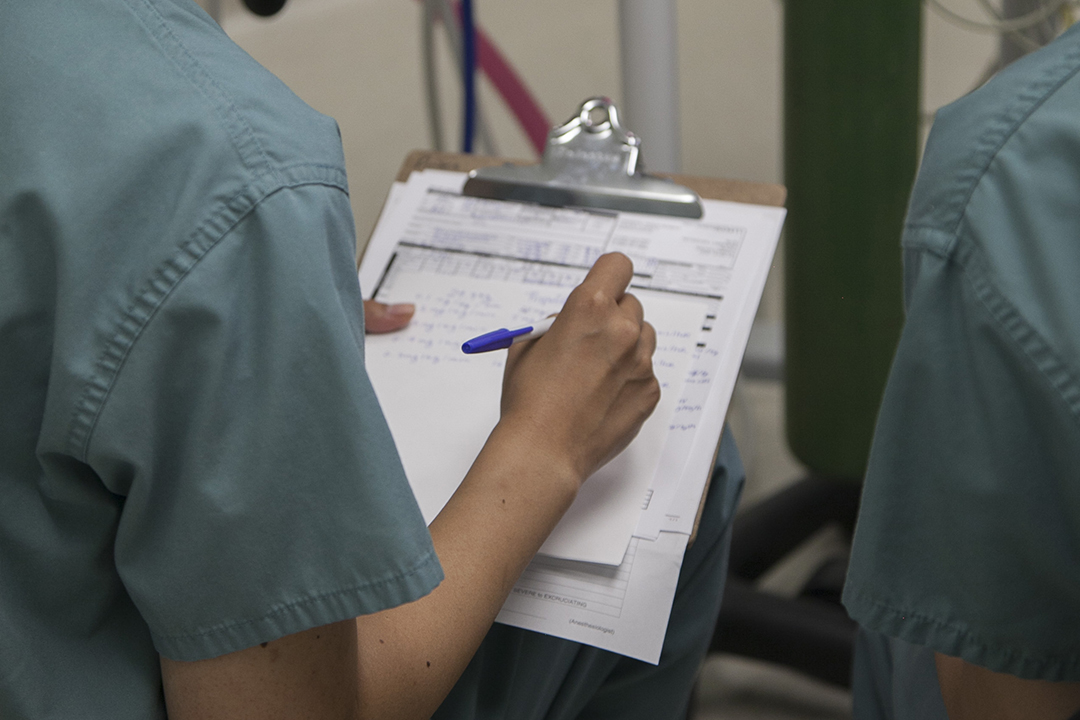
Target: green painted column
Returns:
[851, 107]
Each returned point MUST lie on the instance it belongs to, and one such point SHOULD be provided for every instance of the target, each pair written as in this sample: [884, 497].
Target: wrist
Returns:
[532, 456]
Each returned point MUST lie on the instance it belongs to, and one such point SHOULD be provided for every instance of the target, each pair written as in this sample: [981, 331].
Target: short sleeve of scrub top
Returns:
[968, 539]
[263, 492]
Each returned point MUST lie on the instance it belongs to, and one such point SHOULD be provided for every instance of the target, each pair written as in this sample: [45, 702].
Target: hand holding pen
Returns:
[587, 386]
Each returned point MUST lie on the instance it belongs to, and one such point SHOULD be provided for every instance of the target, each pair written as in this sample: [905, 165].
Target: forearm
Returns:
[402, 662]
[571, 401]
[411, 656]
[971, 692]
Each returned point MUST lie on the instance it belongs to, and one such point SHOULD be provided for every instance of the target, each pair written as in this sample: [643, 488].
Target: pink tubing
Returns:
[521, 102]
[525, 108]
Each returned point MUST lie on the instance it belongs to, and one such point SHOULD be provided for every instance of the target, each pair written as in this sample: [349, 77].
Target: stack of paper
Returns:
[607, 574]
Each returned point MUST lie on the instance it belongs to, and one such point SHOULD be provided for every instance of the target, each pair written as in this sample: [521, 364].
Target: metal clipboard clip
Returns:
[590, 161]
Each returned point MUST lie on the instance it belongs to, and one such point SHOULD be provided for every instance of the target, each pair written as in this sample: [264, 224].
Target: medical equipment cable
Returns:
[435, 11]
[533, 121]
[1052, 19]
[468, 70]
[1030, 38]
[1000, 25]
[431, 79]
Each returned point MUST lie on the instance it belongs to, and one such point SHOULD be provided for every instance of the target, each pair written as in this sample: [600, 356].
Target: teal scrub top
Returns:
[968, 540]
[192, 459]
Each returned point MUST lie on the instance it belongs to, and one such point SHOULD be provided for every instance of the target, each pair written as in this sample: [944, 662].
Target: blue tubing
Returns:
[468, 69]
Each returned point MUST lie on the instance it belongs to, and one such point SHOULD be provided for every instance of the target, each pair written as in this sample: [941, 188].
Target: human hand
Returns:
[382, 318]
[584, 389]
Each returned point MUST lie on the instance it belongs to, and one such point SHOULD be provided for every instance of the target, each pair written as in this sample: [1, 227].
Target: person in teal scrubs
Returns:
[965, 569]
[203, 511]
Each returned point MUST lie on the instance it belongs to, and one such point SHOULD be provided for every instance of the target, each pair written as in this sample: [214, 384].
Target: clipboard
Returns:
[468, 259]
[591, 161]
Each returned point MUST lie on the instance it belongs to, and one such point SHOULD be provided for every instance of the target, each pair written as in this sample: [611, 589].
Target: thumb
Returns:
[382, 318]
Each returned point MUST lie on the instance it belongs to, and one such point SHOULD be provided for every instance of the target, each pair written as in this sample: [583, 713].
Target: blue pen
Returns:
[503, 338]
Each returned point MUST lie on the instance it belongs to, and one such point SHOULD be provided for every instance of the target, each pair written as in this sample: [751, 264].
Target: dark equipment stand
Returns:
[811, 632]
[851, 102]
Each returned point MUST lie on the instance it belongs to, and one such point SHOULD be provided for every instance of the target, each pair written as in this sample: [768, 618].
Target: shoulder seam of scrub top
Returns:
[240, 132]
[1036, 350]
[931, 239]
[1000, 130]
[161, 280]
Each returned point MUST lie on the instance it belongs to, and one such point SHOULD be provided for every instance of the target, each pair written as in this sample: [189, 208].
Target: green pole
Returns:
[851, 101]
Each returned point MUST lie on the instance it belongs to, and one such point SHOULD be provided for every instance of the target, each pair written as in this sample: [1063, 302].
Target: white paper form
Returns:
[442, 404]
[622, 609]
[683, 508]
[726, 257]
[430, 212]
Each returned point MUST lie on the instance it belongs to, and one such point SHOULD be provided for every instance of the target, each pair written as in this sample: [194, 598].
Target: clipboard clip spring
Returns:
[590, 161]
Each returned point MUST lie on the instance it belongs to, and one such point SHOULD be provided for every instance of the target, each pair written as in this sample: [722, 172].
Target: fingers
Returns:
[600, 307]
[610, 274]
[602, 296]
[646, 348]
[631, 306]
[585, 388]
[382, 318]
